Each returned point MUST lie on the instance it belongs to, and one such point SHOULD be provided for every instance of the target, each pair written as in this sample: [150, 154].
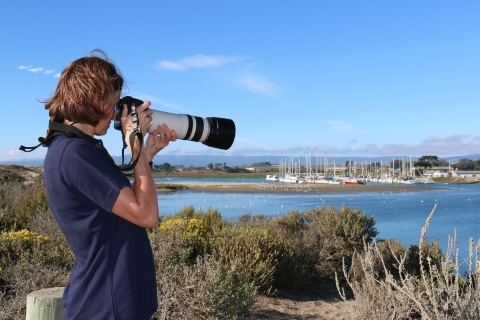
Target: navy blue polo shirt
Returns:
[114, 275]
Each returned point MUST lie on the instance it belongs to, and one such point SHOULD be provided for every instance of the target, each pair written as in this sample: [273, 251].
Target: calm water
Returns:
[399, 215]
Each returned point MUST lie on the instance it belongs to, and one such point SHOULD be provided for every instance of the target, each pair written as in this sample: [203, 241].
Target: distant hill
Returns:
[203, 160]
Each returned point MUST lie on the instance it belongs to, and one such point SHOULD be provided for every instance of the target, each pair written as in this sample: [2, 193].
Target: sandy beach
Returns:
[283, 188]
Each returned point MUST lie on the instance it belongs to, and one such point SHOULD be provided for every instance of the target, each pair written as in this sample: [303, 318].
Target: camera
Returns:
[212, 131]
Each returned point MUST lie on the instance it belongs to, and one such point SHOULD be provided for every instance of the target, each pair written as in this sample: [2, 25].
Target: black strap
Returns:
[61, 129]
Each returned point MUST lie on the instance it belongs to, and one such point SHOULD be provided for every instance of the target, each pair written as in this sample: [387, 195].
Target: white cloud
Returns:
[38, 70]
[294, 151]
[340, 125]
[11, 153]
[35, 70]
[198, 61]
[257, 83]
[454, 145]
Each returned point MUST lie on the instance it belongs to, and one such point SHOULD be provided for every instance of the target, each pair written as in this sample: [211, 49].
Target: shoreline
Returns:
[284, 188]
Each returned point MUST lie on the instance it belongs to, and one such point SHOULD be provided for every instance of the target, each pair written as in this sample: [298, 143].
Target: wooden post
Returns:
[45, 304]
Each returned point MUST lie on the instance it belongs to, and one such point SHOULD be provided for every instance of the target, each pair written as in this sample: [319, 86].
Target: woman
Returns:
[102, 216]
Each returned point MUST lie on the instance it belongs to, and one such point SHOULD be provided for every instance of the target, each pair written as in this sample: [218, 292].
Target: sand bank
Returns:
[284, 188]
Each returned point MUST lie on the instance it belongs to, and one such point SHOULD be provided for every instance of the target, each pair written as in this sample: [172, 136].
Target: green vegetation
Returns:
[467, 164]
[213, 170]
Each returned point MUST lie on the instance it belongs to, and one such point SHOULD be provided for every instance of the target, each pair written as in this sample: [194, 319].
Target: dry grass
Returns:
[438, 292]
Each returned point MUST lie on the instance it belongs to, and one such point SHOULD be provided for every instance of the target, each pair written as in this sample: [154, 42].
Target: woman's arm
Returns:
[139, 204]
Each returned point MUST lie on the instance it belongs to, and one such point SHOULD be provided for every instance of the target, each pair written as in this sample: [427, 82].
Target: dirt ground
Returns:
[316, 301]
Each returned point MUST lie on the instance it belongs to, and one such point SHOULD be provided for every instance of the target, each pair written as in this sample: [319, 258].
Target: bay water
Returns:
[398, 214]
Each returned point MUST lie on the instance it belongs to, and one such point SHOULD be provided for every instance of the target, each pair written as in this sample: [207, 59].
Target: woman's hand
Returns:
[159, 139]
[144, 118]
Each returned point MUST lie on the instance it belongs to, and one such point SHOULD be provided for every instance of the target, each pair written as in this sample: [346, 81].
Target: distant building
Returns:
[250, 169]
[466, 174]
[438, 172]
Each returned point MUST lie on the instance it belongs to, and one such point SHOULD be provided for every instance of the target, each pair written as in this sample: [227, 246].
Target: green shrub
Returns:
[338, 234]
[10, 195]
[34, 201]
[9, 176]
[430, 253]
[258, 219]
[204, 289]
[18, 245]
[56, 252]
[260, 256]
[292, 223]
[350, 227]
[192, 230]
[212, 219]
[19, 203]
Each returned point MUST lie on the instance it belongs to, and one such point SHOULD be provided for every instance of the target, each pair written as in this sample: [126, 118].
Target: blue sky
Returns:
[345, 78]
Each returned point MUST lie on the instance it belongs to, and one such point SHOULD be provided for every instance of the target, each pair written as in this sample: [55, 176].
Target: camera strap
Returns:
[136, 132]
[60, 129]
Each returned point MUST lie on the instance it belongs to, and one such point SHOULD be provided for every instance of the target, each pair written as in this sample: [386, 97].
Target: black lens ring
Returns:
[198, 130]
[190, 125]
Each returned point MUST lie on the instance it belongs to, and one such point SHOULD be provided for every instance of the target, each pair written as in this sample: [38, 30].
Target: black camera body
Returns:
[131, 103]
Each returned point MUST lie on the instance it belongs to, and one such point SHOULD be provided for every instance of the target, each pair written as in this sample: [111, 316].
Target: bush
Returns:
[336, 235]
[18, 246]
[193, 231]
[292, 223]
[19, 203]
[56, 252]
[206, 289]
[34, 201]
[212, 219]
[33, 251]
[261, 257]
[9, 176]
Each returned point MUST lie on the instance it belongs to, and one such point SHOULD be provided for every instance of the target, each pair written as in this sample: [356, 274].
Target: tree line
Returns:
[430, 161]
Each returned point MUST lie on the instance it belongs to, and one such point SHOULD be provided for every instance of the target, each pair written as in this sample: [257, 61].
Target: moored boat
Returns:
[272, 177]
[351, 180]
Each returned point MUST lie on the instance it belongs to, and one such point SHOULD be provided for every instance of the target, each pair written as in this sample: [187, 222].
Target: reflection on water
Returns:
[398, 214]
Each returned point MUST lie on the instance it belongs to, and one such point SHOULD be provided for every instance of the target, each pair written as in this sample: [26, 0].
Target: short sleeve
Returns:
[87, 171]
